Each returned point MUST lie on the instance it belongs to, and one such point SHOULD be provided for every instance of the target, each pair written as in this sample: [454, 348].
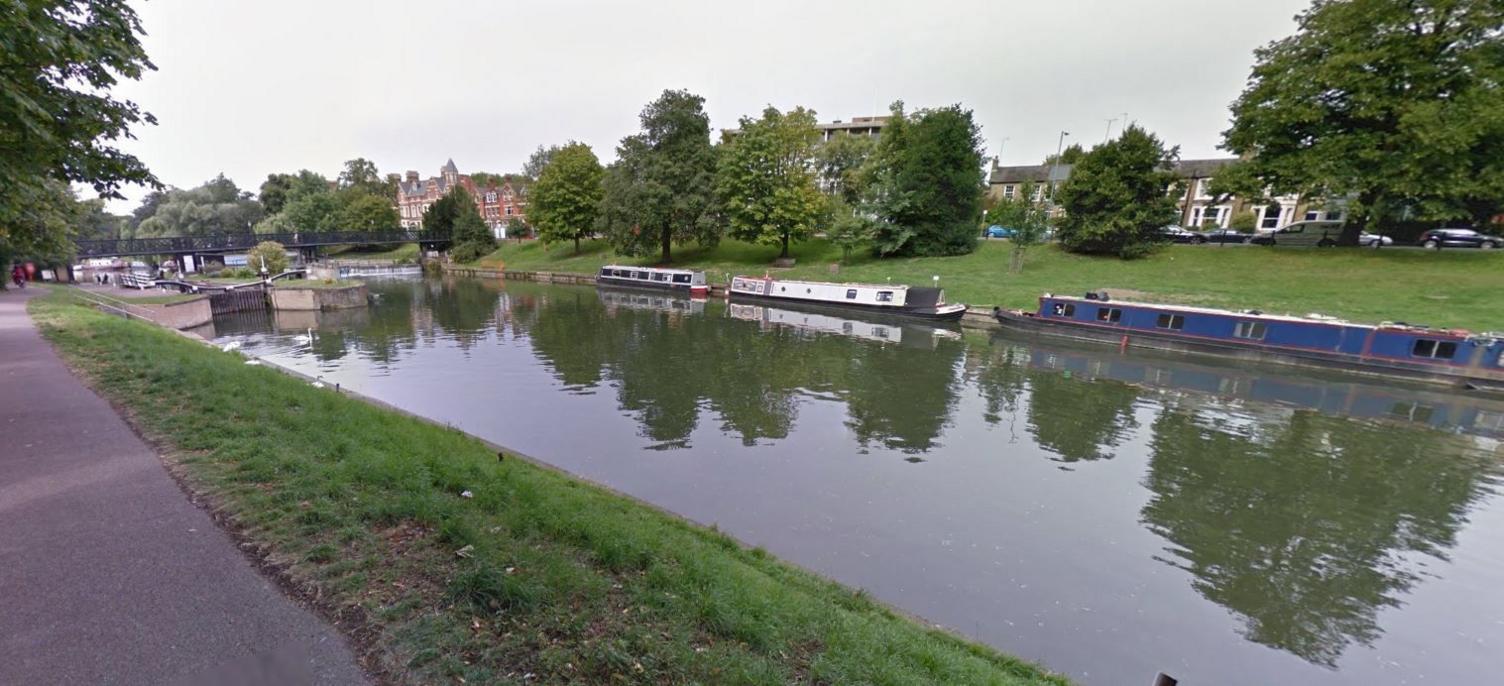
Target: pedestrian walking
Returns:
[18, 275]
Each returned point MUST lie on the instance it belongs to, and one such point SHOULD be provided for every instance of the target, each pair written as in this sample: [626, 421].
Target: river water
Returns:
[1108, 515]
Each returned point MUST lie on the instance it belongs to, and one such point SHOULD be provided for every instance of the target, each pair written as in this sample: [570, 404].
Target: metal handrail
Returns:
[164, 245]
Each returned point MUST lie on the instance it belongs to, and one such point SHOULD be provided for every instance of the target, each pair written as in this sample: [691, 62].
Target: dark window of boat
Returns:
[643, 275]
[851, 294]
[1109, 314]
[885, 296]
[681, 278]
[605, 271]
[1171, 321]
[880, 331]
[1251, 330]
[1065, 309]
[623, 273]
[1442, 350]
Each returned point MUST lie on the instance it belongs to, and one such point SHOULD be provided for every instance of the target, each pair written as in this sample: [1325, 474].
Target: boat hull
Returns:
[693, 290]
[949, 313]
[1154, 340]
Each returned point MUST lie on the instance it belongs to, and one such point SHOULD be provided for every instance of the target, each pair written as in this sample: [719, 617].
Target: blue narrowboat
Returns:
[1449, 356]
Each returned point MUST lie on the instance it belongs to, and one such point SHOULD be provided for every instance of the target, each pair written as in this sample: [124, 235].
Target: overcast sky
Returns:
[253, 87]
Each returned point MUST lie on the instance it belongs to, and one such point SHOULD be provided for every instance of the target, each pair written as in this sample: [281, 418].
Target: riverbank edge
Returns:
[977, 316]
[391, 662]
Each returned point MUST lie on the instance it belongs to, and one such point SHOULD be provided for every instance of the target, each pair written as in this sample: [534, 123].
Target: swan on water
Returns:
[303, 338]
[232, 345]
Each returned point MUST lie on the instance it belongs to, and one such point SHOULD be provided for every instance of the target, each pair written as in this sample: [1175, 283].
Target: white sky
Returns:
[254, 87]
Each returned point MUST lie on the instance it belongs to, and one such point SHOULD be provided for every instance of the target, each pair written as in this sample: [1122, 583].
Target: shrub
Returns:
[271, 254]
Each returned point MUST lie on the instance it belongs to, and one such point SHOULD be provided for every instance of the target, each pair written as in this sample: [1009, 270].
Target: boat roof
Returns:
[1307, 319]
[884, 286]
[649, 269]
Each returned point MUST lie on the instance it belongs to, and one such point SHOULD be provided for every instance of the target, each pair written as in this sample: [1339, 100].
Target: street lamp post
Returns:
[1054, 164]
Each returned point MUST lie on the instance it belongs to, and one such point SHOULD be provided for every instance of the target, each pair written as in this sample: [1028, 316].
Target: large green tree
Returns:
[661, 189]
[361, 174]
[766, 178]
[926, 183]
[839, 164]
[455, 213]
[58, 122]
[363, 211]
[217, 207]
[566, 199]
[1117, 197]
[1396, 105]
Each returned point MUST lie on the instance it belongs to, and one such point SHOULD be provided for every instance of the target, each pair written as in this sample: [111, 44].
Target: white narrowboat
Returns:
[909, 301]
[683, 280]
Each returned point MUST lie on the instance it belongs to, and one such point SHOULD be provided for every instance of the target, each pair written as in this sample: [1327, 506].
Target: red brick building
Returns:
[497, 204]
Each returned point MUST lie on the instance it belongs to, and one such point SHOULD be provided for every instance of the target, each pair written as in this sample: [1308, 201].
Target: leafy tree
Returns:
[1393, 104]
[926, 190]
[1243, 222]
[217, 206]
[363, 211]
[58, 61]
[455, 213]
[360, 174]
[274, 192]
[315, 211]
[1117, 197]
[766, 178]
[274, 224]
[661, 188]
[538, 161]
[566, 199]
[47, 238]
[1027, 220]
[516, 228]
[269, 257]
[848, 228]
[839, 163]
[1071, 155]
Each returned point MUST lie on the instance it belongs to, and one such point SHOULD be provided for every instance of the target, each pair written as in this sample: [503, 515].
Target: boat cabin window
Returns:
[622, 273]
[681, 278]
[851, 294]
[885, 296]
[1065, 309]
[605, 272]
[642, 275]
[880, 331]
[1441, 350]
[1111, 315]
[660, 276]
[1252, 330]
[1171, 321]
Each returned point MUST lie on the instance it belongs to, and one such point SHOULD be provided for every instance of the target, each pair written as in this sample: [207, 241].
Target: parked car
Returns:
[1225, 236]
[1318, 234]
[1180, 234]
[1374, 240]
[996, 231]
[1459, 238]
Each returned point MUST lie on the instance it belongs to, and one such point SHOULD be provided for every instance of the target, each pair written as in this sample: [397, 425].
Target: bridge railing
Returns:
[210, 243]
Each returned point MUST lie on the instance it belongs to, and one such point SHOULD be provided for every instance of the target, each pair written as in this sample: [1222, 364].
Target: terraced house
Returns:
[497, 204]
[1198, 207]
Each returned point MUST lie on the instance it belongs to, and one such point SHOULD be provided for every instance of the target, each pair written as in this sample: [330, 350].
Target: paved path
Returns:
[108, 574]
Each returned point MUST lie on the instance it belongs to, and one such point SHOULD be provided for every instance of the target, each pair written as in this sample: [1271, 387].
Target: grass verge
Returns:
[533, 577]
[403, 253]
[1451, 288]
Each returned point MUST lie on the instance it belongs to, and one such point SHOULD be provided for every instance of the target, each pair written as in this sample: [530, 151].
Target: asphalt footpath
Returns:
[108, 573]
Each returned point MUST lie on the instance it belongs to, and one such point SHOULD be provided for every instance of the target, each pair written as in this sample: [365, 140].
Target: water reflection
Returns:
[1307, 507]
[1308, 527]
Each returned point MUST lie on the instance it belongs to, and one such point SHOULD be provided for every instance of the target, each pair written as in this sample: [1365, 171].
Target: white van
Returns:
[1313, 234]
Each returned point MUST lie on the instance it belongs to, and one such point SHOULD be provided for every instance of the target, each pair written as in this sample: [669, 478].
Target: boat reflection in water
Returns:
[877, 328]
[661, 302]
[1253, 389]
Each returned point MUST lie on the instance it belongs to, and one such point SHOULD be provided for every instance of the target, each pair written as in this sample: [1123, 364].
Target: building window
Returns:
[1313, 215]
[1207, 214]
[1440, 350]
[1111, 315]
[885, 296]
[1250, 330]
[1171, 321]
[1009, 191]
[491, 197]
[1271, 217]
[1204, 187]
[509, 210]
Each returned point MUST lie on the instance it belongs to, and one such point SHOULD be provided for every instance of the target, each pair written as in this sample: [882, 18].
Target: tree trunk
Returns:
[1352, 229]
[1016, 264]
[785, 252]
[577, 244]
[667, 240]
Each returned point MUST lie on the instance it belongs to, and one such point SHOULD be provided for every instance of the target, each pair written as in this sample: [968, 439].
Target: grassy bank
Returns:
[403, 253]
[460, 566]
[1453, 288]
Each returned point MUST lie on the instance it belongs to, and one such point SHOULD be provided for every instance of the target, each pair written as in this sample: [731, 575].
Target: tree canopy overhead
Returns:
[766, 178]
[58, 123]
[661, 187]
[1395, 105]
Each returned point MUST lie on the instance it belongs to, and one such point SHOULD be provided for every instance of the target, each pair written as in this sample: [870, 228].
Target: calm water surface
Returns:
[1108, 515]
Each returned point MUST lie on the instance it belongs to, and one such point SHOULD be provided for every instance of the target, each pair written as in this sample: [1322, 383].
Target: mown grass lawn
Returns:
[465, 568]
[1450, 288]
[402, 252]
